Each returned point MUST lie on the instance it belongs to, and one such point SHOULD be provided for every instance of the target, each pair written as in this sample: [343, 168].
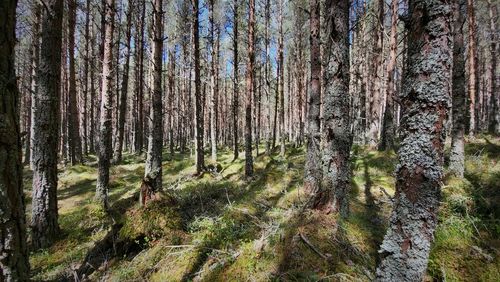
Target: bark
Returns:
[425, 99]
[266, 73]
[35, 49]
[155, 143]
[14, 259]
[336, 140]
[458, 91]
[312, 178]
[124, 88]
[200, 157]
[281, 86]
[85, 79]
[74, 141]
[388, 129]
[473, 66]
[45, 127]
[105, 131]
[235, 79]
[494, 119]
[250, 90]
[213, 88]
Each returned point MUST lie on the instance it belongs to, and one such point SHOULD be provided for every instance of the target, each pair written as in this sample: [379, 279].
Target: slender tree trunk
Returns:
[425, 101]
[473, 66]
[494, 119]
[213, 97]
[14, 256]
[155, 143]
[45, 133]
[124, 88]
[281, 86]
[106, 107]
[85, 79]
[250, 90]
[458, 91]
[267, 79]
[336, 139]
[235, 79]
[34, 85]
[388, 130]
[75, 143]
[312, 178]
[200, 157]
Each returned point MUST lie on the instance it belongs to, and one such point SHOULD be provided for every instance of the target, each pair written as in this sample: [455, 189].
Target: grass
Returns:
[228, 228]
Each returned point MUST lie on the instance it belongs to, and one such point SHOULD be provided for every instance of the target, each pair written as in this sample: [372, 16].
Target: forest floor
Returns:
[225, 228]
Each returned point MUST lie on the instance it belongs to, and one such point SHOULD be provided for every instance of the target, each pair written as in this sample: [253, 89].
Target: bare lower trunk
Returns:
[425, 100]
[200, 157]
[336, 139]
[312, 178]
[250, 91]
[45, 133]
[458, 92]
[155, 143]
[14, 257]
[106, 107]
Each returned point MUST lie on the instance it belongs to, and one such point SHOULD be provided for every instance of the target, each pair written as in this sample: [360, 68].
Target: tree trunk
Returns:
[250, 90]
[14, 256]
[425, 100]
[124, 88]
[494, 119]
[473, 66]
[388, 130]
[74, 142]
[106, 107]
[281, 86]
[213, 92]
[155, 143]
[235, 79]
[35, 46]
[336, 140]
[200, 157]
[458, 91]
[312, 177]
[45, 133]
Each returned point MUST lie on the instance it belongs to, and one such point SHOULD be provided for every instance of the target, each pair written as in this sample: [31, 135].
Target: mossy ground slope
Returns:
[227, 228]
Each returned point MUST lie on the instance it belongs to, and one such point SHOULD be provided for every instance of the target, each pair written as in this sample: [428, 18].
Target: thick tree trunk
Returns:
[124, 88]
[200, 157]
[425, 100]
[45, 126]
[388, 130]
[35, 53]
[106, 107]
[14, 259]
[312, 178]
[458, 91]
[74, 142]
[336, 139]
[235, 80]
[250, 90]
[155, 143]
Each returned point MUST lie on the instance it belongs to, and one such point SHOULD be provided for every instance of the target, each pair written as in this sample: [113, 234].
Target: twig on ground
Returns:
[306, 241]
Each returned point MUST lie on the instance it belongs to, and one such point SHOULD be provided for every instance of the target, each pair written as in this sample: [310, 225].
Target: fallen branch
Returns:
[304, 239]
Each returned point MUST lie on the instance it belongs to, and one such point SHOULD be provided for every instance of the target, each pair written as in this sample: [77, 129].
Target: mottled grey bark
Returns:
[473, 67]
[336, 135]
[14, 260]
[250, 90]
[281, 81]
[155, 143]
[74, 141]
[458, 91]
[35, 59]
[45, 128]
[118, 148]
[101, 195]
[425, 99]
[388, 127]
[312, 177]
